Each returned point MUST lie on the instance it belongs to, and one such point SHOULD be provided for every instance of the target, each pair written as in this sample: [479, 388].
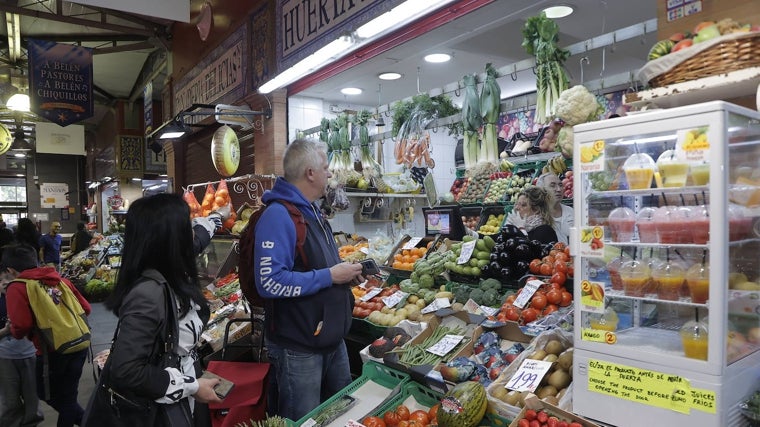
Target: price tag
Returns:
[352, 423]
[467, 248]
[489, 311]
[365, 251]
[394, 298]
[412, 243]
[529, 289]
[371, 293]
[436, 305]
[471, 306]
[528, 375]
[309, 423]
[445, 345]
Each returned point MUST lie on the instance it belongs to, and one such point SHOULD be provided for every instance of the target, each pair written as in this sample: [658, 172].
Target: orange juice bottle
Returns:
[694, 339]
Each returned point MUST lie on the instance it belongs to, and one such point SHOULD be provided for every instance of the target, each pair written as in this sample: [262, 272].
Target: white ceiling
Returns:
[493, 34]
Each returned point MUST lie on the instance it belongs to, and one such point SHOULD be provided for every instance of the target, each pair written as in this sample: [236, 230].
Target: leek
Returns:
[490, 99]
[370, 167]
[471, 121]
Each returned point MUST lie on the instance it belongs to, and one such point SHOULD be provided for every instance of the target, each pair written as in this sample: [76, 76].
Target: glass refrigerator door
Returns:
[666, 204]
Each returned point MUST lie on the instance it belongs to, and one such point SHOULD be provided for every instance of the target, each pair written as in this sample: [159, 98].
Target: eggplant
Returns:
[510, 244]
[494, 256]
[505, 272]
[547, 247]
[494, 266]
[537, 248]
[521, 267]
[505, 259]
[523, 252]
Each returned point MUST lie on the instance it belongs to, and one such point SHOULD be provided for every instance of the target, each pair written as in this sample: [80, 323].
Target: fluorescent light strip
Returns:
[399, 15]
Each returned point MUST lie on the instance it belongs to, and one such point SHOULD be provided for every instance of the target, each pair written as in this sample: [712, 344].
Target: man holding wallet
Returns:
[307, 299]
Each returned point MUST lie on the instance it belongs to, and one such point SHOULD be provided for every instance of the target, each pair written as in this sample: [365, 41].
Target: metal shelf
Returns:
[390, 195]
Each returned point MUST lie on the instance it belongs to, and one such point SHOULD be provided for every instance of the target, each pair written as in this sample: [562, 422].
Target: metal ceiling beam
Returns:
[88, 38]
[13, 26]
[79, 21]
[124, 48]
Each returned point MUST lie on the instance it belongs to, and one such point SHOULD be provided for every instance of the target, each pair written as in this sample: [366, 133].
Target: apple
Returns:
[707, 33]
[702, 25]
[677, 37]
[683, 44]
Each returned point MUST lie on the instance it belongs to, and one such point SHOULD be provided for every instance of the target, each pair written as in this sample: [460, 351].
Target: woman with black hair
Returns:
[158, 262]
[27, 232]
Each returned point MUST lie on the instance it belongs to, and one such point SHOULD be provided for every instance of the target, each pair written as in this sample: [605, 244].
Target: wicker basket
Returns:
[724, 57]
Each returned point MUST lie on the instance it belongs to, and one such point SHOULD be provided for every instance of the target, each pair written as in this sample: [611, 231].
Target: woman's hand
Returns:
[206, 393]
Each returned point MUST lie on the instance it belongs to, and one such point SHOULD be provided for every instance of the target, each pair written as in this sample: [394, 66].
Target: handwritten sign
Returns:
[467, 248]
[394, 298]
[53, 195]
[412, 243]
[528, 375]
[671, 392]
[445, 345]
[436, 305]
[526, 294]
[370, 294]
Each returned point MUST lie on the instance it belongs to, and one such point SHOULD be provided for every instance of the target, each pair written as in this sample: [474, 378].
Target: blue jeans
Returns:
[19, 405]
[302, 381]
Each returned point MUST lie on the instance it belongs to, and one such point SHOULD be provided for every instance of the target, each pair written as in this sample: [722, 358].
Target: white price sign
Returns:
[445, 345]
[529, 289]
[528, 375]
[489, 311]
[370, 294]
[394, 298]
[436, 305]
[467, 248]
[471, 306]
[412, 243]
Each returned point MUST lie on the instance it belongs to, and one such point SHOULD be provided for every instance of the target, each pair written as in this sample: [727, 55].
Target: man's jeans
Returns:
[301, 381]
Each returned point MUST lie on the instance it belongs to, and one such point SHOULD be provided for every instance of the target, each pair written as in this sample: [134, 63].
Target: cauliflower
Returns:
[576, 105]
[565, 142]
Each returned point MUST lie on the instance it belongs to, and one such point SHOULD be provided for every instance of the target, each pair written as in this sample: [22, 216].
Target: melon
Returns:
[463, 406]
[661, 48]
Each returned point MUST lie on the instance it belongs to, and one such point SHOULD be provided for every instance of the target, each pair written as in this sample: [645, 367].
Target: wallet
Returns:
[223, 388]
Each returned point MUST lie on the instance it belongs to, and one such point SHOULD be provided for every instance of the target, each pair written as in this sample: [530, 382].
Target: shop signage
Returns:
[218, 78]
[130, 154]
[304, 26]
[54, 139]
[173, 10]
[148, 107]
[60, 81]
[54, 195]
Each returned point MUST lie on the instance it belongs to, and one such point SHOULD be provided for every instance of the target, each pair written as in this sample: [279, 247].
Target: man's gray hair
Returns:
[301, 155]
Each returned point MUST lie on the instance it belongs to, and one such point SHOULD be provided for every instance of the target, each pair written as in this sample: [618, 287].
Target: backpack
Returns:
[60, 319]
[246, 250]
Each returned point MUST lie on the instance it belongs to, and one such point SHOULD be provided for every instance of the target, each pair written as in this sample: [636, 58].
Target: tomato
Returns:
[554, 296]
[405, 423]
[560, 246]
[548, 259]
[420, 416]
[549, 309]
[567, 299]
[562, 424]
[530, 414]
[415, 423]
[559, 277]
[374, 422]
[433, 412]
[510, 299]
[570, 269]
[535, 423]
[535, 266]
[542, 416]
[546, 269]
[529, 314]
[552, 422]
[403, 412]
[391, 419]
[560, 266]
[512, 313]
[538, 301]
[523, 423]
[561, 257]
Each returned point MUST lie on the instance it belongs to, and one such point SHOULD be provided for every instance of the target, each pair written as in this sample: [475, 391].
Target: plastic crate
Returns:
[470, 211]
[414, 396]
[491, 210]
[371, 371]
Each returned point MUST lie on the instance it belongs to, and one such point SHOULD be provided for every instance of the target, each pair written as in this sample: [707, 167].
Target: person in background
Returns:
[81, 239]
[64, 370]
[27, 232]
[19, 404]
[160, 245]
[308, 308]
[533, 204]
[50, 246]
[562, 215]
[6, 235]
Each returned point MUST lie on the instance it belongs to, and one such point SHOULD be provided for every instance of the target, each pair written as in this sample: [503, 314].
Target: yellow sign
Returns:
[597, 335]
[647, 387]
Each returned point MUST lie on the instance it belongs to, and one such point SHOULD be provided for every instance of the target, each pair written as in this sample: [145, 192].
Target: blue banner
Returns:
[60, 81]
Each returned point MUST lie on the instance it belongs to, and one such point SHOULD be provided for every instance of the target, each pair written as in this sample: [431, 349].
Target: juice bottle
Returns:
[621, 221]
[605, 322]
[646, 225]
[673, 170]
[668, 279]
[700, 174]
[639, 170]
[698, 280]
[694, 339]
[635, 275]
[669, 224]
[699, 224]
[613, 269]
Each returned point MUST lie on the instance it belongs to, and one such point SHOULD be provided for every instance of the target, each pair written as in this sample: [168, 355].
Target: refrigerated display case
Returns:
[667, 246]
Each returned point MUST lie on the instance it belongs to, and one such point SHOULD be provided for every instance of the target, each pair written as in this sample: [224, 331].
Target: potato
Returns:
[559, 379]
[500, 393]
[565, 360]
[512, 398]
[537, 355]
[547, 390]
[421, 303]
[412, 299]
[414, 316]
[554, 347]
[457, 306]
[552, 400]
[550, 358]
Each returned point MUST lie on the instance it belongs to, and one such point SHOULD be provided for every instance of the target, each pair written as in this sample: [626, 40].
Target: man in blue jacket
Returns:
[308, 307]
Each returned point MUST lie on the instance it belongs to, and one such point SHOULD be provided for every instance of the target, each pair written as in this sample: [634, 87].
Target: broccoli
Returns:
[461, 294]
[490, 284]
[491, 298]
[477, 295]
[408, 286]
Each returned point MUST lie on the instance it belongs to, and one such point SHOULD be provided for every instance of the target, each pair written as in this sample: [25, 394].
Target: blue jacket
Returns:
[304, 310]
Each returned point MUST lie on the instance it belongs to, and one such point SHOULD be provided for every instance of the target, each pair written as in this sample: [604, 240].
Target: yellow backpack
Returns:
[59, 317]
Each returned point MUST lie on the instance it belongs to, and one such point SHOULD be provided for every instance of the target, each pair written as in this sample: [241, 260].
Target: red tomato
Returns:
[403, 412]
[561, 257]
[391, 419]
[433, 412]
[552, 422]
[530, 414]
[548, 260]
[560, 266]
[523, 423]
[542, 416]
[406, 424]
[510, 299]
[538, 301]
[554, 296]
[535, 266]
[420, 416]
[529, 314]
[559, 277]
[567, 299]
[570, 269]
[546, 269]
[512, 313]
[560, 246]
[549, 309]
[535, 423]
[374, 422]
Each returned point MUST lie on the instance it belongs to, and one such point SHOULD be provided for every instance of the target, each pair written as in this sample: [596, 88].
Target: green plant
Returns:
[436, 107]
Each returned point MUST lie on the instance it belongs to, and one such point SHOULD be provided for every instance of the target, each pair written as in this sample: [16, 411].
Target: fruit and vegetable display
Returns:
[703, 31]
[511, 255]
[418, 354]
[478, 258]
[392, 338]
[404, 416]
[492, 224]
[241, 221]
[463, 406]
[542, 418]
[498, 186]
[457, 187]
[405, 258]
[487, 292]
[353, 252]
[520, 180]
[551, 346]
[471, 221]
[485, 364]
[475, 189]
[227, 288]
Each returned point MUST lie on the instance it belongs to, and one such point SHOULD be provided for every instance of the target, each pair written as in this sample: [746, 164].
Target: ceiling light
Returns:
[399, 15]
[18, 102]
[351, 91]
[437, 58]
[389, 76]
[19, 155]
[175, 129]
[559, 11]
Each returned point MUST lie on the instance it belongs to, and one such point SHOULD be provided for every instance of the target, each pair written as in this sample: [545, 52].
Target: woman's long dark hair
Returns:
[26, 232]
[158, 235]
